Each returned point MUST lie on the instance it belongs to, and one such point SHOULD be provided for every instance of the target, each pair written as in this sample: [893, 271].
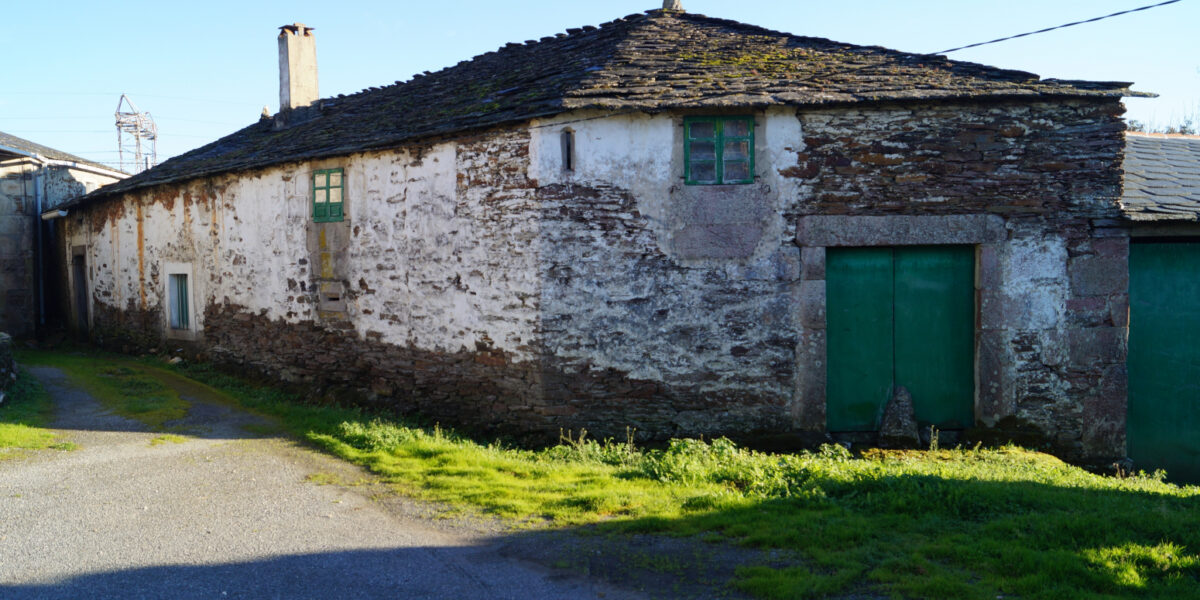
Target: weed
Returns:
[168, 439]
[323, 478]
[24, 416]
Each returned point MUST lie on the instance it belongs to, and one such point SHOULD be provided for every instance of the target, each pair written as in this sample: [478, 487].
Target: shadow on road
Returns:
[421, 572]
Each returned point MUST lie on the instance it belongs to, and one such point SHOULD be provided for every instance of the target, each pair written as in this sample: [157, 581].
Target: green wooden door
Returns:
[859, 328]
[900, 316]
[1164, 358]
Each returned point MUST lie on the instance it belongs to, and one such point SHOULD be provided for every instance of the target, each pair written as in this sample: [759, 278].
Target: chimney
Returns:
[297, 67]
[673, 5]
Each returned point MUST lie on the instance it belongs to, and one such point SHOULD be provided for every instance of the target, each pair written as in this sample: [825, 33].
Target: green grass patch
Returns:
[962, 523]
[125, 387]
[24, 415]
[168, 439]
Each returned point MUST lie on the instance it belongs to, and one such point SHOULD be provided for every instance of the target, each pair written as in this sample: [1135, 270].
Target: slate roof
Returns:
[24, 145]
[1162, 177]
[643, 62]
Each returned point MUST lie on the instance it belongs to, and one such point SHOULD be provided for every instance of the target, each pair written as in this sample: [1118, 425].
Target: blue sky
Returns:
[205, 70]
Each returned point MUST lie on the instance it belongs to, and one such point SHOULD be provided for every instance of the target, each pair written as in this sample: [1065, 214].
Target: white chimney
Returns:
[673, 5]
[297, 67]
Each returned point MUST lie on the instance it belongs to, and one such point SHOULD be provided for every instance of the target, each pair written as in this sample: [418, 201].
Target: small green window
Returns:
[328, 198]
[718, 150]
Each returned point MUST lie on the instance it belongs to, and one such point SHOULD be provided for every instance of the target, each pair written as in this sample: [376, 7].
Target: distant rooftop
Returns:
[25, 147]
[1162, 177]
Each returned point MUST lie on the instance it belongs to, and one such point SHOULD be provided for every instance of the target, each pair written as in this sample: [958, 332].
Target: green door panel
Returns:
[1164, 358]
[858, 313]
[900, 316]
[935, 332]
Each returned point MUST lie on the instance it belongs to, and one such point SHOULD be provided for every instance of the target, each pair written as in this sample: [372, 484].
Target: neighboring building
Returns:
[1162, 198]
[33, 178]
[680, 224]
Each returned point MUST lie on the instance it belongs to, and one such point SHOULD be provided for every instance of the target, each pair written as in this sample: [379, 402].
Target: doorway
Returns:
[1163, 430]
[900, 316]
[80, 287]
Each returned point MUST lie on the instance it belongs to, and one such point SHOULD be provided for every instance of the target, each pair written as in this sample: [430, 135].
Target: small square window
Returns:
[328, 196]
[718, 150]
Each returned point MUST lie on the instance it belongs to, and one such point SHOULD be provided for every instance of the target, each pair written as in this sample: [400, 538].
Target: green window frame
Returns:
[718, 150]
[329, 198]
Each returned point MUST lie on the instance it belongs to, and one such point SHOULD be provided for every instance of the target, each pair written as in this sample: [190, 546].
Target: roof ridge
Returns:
[650, 61]
[48, 152]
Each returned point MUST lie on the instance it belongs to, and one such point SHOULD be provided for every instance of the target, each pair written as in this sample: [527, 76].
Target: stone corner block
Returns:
[809, 299]
[1098, 275]
[812, 263]
[1096, 348]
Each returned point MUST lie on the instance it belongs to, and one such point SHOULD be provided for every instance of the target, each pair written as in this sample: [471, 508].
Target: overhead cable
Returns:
[1021, 35]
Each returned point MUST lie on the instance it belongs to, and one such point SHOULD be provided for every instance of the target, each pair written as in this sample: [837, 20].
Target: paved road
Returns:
[226, 514]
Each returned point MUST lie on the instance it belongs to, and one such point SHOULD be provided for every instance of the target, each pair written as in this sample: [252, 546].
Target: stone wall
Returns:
[1051, 287]
[666, 307]
[639, 340]
[21, 182]
[486, 286]
[17, 284]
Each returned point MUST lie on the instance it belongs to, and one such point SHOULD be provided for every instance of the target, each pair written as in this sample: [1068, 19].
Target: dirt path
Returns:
[224, 513]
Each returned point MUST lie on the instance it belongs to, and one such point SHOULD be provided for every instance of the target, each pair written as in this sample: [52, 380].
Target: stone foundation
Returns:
[482, 390]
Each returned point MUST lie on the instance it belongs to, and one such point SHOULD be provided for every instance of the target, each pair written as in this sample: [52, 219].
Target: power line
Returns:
[1021, 35]
[184, 98]
[160, 117]
[32, 131]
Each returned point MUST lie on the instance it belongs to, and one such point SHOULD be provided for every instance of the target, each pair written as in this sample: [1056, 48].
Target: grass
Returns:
[168, 439]
[126, 388]
[962, 523]
[24, 416]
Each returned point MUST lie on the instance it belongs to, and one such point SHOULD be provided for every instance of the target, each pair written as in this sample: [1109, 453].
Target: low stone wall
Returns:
[481, 389]
[8, 366]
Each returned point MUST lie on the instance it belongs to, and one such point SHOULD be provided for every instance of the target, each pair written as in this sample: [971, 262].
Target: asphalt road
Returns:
[228, 514]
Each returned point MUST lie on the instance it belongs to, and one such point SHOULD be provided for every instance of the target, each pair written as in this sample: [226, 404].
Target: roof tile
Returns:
[643, 62]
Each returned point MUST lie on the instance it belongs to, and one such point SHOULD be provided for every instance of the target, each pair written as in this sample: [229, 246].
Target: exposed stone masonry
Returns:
[478, 297]
[717, 337]
[1037, 161]
[1052, 291]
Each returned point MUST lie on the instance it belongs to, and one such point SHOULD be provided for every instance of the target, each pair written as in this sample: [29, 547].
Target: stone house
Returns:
[33, 179]
[670, 222]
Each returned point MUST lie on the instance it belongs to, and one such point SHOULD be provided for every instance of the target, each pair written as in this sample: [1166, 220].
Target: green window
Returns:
[718, 150]
[328, 198]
